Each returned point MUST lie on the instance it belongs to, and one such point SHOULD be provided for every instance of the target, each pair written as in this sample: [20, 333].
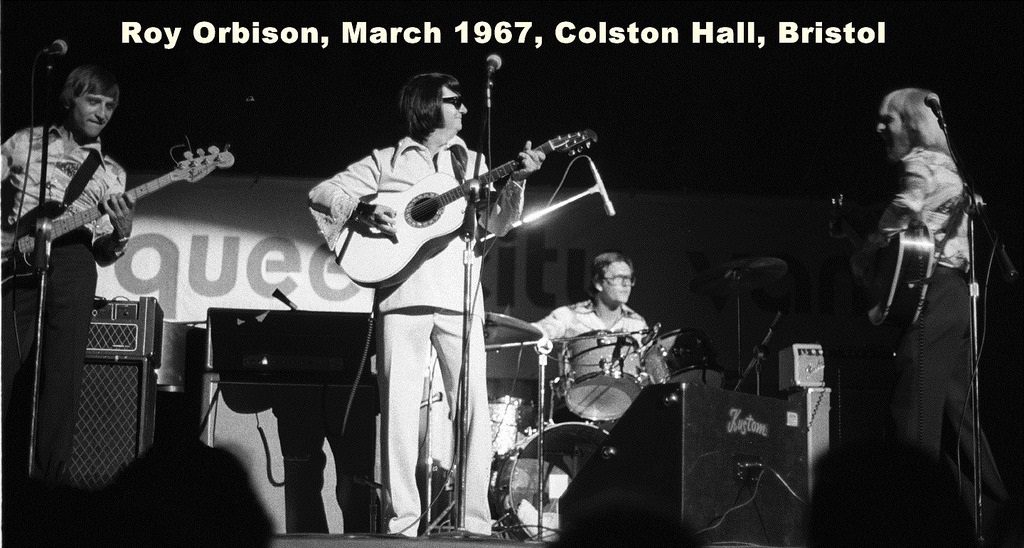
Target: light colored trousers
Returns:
[404, 353]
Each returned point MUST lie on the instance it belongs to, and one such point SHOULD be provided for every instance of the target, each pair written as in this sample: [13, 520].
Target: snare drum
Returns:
[602, 375]
[683, 355]
[515, 480]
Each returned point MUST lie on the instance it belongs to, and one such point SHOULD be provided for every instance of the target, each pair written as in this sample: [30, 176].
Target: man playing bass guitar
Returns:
[82, 177]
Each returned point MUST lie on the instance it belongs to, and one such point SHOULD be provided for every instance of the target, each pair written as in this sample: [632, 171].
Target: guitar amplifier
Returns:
[126, 329]
[288, 345]
[801, 365]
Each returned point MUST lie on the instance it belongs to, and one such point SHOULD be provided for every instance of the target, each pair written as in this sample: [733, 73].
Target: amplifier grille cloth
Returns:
[106, 438]
[113, 336]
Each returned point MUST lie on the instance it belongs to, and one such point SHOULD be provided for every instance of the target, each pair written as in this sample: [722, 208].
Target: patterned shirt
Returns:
[21, 183]
[930, 190]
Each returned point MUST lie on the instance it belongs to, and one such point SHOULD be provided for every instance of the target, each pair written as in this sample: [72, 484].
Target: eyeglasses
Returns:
[453, 101]
[621, 280]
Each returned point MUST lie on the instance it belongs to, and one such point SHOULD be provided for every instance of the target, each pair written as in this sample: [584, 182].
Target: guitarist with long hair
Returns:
[929, 402]
[420, 316]
[79, 177]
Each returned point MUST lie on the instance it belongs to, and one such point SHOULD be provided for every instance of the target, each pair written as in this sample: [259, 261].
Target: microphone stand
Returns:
[470, 236]
[975, 210]
[537, 215]
[41, 264]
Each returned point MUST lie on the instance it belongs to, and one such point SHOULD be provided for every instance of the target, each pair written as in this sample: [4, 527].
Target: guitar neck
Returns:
[495, 174]
[66, 223]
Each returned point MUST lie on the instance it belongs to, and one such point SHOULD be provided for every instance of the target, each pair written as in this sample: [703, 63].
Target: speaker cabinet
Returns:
[733, 464]
[262, 422]
[116, 410]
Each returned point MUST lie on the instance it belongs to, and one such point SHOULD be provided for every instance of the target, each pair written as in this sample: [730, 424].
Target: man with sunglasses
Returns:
[421, 317]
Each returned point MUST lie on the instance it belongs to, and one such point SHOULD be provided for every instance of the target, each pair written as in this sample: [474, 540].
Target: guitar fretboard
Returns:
[491, 176]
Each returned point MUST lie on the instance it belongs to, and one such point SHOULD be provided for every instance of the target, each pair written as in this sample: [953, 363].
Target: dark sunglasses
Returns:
[453, 101]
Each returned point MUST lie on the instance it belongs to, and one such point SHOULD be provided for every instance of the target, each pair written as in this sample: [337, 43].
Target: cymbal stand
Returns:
[543, 348]
[759, 351]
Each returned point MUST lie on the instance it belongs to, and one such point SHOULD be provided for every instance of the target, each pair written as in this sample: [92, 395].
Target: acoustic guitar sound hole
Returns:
[422, 210]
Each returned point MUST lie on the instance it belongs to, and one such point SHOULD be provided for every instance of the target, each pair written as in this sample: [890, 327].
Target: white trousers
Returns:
[404, 353]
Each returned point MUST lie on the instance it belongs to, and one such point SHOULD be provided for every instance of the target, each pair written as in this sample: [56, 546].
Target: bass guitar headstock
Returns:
[201, 163]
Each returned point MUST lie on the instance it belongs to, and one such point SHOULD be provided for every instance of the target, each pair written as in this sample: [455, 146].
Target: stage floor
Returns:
[440, 541]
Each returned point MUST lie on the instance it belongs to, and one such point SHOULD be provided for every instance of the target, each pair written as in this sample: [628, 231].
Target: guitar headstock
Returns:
[197, 165]
[573, 143]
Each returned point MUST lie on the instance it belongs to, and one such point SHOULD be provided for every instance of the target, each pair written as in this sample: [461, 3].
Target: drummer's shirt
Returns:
[577, 319]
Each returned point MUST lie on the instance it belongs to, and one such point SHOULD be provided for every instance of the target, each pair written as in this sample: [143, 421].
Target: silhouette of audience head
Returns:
[621, 518]
[882, 494]
[188, 494]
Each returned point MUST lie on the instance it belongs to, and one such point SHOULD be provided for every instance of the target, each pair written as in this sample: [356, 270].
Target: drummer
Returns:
[612, 279]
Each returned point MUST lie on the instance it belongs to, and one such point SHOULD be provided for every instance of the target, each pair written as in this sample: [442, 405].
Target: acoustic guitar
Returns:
[427, 213]
[898, 280]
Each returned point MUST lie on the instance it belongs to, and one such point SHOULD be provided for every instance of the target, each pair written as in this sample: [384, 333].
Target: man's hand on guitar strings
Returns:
[120, 208]
[382, 218]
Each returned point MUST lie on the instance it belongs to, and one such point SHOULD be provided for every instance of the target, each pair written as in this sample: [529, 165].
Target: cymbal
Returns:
[738, 276]
[501, 331]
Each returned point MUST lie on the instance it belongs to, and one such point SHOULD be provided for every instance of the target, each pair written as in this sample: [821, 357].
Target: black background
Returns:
[785, 120]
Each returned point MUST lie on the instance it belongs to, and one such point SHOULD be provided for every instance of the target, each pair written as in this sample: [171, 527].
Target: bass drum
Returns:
[683, 355]
[514, 479]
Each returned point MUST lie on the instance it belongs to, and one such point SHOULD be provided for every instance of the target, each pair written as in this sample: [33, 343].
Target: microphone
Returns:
[932, 102]
[279, 295]
[1010, 272]
[58, 47]
[608, 207]
[493, 63]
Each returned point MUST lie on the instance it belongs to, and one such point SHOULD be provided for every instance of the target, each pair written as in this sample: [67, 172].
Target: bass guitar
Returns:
[18, 246]
[898, 280]
[427, 212]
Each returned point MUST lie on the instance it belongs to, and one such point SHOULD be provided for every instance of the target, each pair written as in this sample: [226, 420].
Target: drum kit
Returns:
[600, 374]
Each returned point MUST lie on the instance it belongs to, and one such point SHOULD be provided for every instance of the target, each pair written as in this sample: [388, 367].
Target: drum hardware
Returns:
[736, 277]
[502, 332]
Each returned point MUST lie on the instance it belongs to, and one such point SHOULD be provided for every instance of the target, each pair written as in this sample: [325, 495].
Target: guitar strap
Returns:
[459, 159]
[82, 177]
[952, 224]
[71, 193]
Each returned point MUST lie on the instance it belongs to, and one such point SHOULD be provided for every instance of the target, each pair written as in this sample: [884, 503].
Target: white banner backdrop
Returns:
[230, 241]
